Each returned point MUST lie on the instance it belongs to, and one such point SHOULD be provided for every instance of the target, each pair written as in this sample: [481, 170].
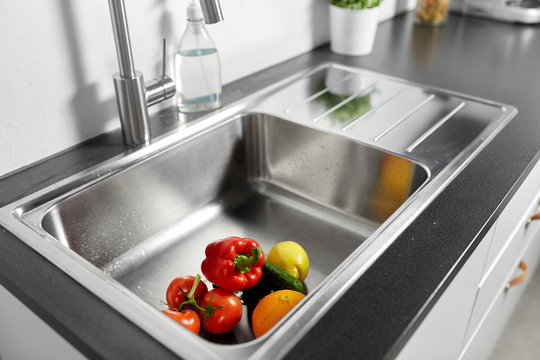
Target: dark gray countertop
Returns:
[375, 316]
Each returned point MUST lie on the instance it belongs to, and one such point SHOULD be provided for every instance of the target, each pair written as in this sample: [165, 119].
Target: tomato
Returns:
[225, 311]
[181, 285]
[188, 319]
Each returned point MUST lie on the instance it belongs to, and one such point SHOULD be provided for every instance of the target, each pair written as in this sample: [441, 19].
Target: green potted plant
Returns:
[353, 25]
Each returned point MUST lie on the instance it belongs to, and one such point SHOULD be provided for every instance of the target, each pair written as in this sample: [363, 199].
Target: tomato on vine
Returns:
[180, 287]
[218, 310]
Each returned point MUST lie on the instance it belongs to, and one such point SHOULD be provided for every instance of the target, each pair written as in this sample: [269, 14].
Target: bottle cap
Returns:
[194, 12]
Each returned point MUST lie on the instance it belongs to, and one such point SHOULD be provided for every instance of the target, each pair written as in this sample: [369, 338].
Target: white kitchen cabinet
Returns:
[496, 316]
[500, 267]
[23, 335]
[477, 313]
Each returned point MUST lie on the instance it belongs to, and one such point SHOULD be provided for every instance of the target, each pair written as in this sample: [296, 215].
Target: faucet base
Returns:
[132, 108]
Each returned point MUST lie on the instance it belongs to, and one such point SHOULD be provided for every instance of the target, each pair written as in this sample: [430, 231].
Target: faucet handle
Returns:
[164, 59]
[163, 88]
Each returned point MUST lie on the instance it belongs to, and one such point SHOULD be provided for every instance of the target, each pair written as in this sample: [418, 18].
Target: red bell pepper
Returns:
[233, 263]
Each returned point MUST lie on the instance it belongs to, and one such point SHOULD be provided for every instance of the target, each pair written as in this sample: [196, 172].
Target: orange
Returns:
[393, 186]
[272, 308]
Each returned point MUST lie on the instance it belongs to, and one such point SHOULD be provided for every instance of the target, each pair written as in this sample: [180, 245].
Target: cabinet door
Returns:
[512, 235]
[495, 277]
[513, 216]
[493, 322]
[441, 334]
[23, 335]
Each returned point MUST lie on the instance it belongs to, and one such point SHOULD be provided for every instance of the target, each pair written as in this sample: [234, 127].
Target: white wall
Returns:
[58, 58]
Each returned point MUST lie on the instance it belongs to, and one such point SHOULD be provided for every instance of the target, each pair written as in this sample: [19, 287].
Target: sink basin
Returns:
[253, 176]
[337, 159]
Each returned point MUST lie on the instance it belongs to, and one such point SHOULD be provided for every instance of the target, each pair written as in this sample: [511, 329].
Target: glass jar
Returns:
[431, 12]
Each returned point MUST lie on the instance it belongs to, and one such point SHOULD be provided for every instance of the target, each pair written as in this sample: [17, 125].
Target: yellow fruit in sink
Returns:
[291, 257]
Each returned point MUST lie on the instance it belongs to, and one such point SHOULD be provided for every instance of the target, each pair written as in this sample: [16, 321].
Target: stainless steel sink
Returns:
[254, 175]
[337, 159]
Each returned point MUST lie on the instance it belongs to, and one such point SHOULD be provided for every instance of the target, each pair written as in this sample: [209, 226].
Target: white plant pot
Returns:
[352, 32]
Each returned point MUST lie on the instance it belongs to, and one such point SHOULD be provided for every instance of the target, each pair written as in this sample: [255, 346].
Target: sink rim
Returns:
[28, 210]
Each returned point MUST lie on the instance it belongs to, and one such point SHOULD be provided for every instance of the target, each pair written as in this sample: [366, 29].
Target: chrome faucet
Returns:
[133, 95]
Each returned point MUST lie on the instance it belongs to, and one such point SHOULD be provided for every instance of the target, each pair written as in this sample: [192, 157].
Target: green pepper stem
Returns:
[243, 263]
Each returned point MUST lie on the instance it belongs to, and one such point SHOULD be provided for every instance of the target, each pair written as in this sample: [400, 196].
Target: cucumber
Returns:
[281, 279]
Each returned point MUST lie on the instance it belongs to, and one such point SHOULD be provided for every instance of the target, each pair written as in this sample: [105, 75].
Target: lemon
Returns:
[291, 257]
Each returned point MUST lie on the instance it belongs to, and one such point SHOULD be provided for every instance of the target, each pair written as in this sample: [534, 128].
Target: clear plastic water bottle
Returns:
[197, 67]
